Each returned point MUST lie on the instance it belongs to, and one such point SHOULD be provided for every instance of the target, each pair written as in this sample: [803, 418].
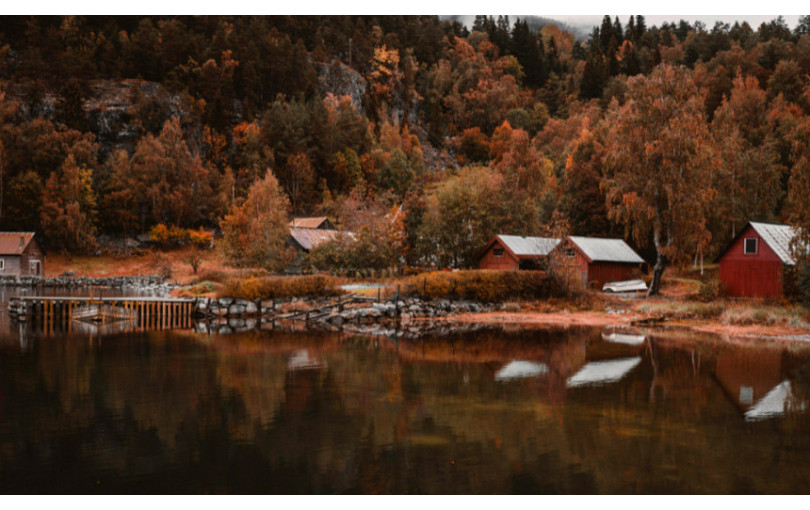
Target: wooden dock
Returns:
[60, 312]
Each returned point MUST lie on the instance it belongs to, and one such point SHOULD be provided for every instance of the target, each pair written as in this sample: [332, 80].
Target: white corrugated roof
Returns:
[778, 238]
[606, 250]
[529, 246]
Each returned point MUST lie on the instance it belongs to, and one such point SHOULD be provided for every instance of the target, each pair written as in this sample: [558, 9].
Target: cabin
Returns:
[319, 223]
[593, 262]
[753, 263]
[303, 240]
[512, 253]
[20, 255]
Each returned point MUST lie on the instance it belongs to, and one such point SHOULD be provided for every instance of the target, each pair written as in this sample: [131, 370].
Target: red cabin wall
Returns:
[489, 261]
[593, 274]
[600, 273]
[758, 275]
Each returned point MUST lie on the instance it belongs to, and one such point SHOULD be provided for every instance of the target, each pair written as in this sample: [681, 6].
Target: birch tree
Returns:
[659, 165]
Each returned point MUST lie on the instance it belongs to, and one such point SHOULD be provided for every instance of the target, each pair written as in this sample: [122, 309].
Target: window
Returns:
[751, 246]
[569, 253]
[2, 264]
[498, 252]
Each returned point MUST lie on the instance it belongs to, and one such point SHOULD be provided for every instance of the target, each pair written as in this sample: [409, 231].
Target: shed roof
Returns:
[316, 222]
[309, 238]
[523, 246]
[529, 246]
[777, 236]
[606, 250]
[14, 243]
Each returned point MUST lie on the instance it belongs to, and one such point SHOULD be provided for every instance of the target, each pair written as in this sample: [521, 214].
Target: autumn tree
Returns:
[660, 161]
[462, 214]
[749, 179]
[255, 232]
[298, 179]
[69, 208]
[373, 235]
[171, 184]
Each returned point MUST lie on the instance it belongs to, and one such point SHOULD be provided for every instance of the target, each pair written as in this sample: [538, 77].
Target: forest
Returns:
[420, 135]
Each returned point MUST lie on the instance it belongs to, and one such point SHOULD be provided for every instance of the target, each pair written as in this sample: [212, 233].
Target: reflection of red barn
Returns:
[593, 261]
[515, 252]
[752, 265]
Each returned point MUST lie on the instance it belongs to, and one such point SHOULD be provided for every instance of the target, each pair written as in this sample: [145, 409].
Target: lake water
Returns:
[498, 410]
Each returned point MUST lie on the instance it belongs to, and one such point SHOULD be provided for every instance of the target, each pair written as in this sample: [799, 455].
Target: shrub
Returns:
[711, 290]
[272, 287]
[173, 237]
[163, 264]
[485, 286]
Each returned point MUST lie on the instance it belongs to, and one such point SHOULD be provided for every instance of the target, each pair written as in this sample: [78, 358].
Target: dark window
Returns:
[751, 246]
[569, 252]
[498, 252]
[2, 264]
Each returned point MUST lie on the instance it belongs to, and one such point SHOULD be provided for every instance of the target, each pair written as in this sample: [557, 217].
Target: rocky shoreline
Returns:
[335, 312]
[154, 284]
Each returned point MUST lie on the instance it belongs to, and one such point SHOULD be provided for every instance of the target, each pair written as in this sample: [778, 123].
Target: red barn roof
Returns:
[14, 243]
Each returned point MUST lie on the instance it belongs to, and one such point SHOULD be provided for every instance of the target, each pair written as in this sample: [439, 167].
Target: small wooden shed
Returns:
[753, 263]
[512, 253]
[593, 261]
[20, 255]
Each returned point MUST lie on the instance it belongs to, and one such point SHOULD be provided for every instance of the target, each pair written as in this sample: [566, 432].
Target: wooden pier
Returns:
[60, 312]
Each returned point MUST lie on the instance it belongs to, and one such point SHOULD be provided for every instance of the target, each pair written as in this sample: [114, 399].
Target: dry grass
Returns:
[480, 285]
[733, 313]
[272, 287]
[142, 264]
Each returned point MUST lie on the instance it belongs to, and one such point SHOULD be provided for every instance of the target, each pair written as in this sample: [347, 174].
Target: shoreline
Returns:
[603, 319]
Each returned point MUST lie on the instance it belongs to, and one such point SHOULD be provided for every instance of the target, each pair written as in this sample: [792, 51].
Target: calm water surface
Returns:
[493, 411]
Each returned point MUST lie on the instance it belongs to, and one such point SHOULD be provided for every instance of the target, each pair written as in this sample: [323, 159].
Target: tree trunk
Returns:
[658, 270]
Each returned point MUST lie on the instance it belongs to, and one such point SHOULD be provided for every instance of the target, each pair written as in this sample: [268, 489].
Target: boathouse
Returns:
[753, 264]
[20, 255]
[512, 253]
[593, 261]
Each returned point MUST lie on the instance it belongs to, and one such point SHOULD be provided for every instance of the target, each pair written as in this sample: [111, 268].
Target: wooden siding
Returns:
[20, 265]
[489, 261]
[592, 274]
[600, 273]
[747, 275]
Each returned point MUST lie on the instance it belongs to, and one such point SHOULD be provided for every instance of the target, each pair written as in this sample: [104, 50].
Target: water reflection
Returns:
[529, 410]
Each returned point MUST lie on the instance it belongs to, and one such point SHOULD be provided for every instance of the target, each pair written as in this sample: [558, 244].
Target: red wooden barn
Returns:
[594, 261]
[753, 263]
[516, 252]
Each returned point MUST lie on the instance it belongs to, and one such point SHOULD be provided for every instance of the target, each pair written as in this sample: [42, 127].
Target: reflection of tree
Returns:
[168, 412]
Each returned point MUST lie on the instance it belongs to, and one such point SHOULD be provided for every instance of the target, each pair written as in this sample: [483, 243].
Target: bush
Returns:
[481, 285]
[173, 237]
[273, 287]
[711, 290]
